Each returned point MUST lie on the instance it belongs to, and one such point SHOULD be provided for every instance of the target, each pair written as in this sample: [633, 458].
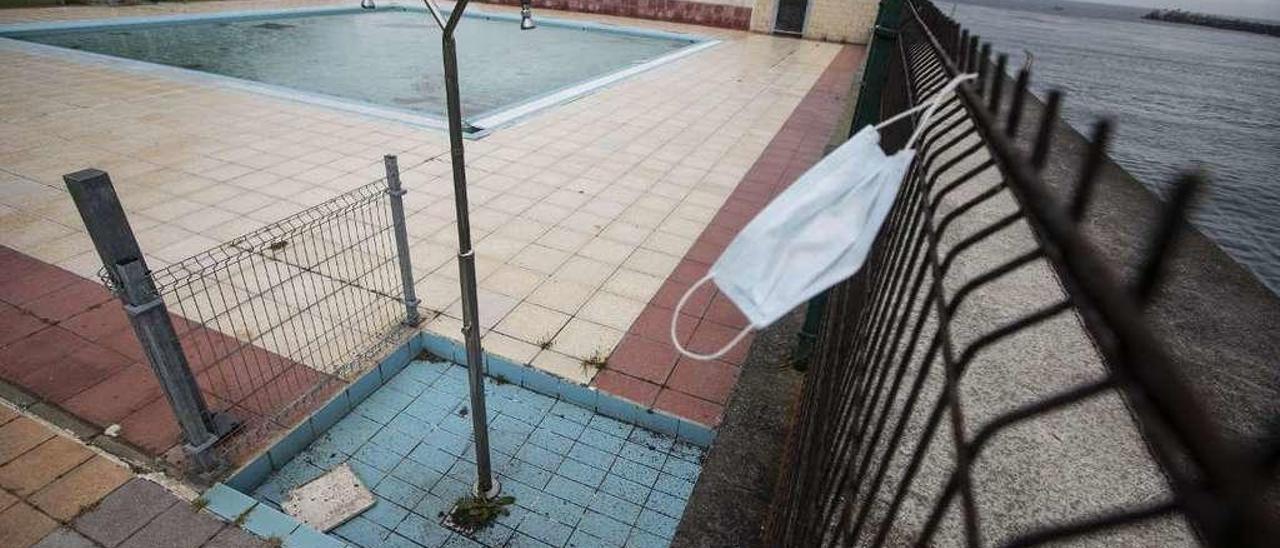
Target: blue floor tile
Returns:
[591, 456]
[432, 457]
[632, 471]
[610, 426]
[520, 540]
[306, 537]
[638, 453]
[571, 412]
[417, 474]
[601, 440]
[399, 491]
[551, 441]
[615, 507]
[545, 530]
[627, 490]
[386, 513]
[657, 524]
[564, 427]
[582, 539]
[581, 473]
[570, 490]
[682, 469]
[605, 528]
[540, 457]
[424, 531]
[665, 504]
[377, 456]
[363, 532]
[641, 539]
[674, 486]
[578, 478]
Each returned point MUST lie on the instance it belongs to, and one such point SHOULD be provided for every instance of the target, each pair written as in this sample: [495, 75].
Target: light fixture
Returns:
[526, 15]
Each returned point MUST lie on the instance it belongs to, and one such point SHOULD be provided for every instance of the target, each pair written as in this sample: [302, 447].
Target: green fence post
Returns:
[867, 111]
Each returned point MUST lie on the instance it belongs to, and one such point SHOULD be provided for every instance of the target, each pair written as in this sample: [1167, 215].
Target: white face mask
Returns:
[815, 234]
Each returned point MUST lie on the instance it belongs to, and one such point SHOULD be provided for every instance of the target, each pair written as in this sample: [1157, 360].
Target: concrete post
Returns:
[116, 245]
[411, 316]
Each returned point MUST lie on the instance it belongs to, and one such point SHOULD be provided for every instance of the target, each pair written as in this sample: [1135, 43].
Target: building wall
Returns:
[828, 20]
[847, 21]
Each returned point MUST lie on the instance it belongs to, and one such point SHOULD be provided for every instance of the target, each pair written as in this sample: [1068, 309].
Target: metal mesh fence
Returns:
[275, 321]
[985, 379]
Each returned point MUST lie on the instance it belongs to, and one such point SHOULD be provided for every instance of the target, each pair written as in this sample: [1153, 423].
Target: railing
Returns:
[267, 325]
[986, 379]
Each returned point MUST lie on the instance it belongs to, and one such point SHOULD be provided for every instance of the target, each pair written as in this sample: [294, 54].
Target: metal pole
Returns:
[411, 316]
[485, 485]
[109, 229]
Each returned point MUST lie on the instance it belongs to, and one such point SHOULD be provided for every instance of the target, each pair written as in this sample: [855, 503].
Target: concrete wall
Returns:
[847, 21]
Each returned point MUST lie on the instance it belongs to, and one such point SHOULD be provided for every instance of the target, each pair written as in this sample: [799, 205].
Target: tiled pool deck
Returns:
[589, 218]
[579, 478]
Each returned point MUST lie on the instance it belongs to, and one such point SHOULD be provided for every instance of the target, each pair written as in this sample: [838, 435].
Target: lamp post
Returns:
[485, 486]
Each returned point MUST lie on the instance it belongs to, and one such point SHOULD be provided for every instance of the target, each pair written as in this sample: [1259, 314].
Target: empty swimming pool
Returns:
[385, 61]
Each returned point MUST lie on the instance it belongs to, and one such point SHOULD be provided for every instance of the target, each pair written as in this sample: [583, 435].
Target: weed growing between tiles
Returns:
[470, 514]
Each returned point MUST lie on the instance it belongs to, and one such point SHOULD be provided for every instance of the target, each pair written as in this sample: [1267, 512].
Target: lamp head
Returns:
[526, 15]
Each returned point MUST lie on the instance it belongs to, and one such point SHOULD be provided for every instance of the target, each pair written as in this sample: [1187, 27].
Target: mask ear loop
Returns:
[676, 340]
[932, 106]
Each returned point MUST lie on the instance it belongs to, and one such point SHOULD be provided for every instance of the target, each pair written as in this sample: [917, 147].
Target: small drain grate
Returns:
[273, 26]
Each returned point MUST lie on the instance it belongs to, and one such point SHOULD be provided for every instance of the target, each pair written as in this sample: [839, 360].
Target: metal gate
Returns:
[790, 17]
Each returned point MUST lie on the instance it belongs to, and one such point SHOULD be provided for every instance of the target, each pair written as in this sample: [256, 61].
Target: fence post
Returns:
[866, 111]
[116, 245]
[411, 316]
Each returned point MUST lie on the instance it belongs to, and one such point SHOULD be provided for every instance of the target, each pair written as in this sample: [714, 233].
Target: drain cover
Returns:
[329, 500]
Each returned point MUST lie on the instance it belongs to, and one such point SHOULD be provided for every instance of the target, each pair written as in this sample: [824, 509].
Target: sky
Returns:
[1266, 9]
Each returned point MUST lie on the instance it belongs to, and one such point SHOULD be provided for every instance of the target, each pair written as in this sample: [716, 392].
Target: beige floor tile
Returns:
[583, 339]
[652, 262]
[566, 367]
[515, 350]
[514, 281]
[560, 295]
[611, 310]
[532, 323]
[493, 307]
[540, 258]
[633, 285]
[584, 271]
[606, 251]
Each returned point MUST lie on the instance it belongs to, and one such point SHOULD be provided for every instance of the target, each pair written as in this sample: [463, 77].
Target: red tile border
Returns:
[641, 367]
[68, 342]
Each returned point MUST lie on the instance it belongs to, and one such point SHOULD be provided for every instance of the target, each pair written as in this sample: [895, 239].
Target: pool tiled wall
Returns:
[586, 468]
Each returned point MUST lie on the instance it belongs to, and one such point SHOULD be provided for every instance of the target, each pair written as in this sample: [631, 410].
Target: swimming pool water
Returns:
[390, 58]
